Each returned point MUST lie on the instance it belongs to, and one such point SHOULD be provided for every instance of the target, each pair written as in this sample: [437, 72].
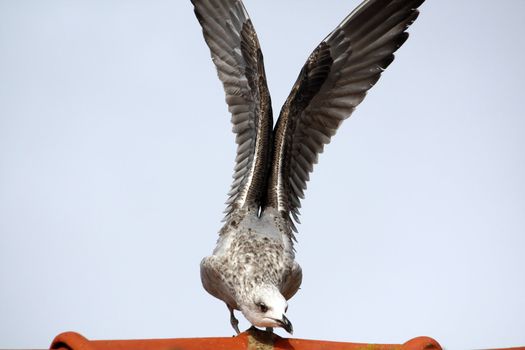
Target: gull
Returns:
[252, 268]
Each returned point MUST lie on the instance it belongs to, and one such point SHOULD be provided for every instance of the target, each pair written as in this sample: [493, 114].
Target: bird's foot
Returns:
[269, 329]
[234, 322]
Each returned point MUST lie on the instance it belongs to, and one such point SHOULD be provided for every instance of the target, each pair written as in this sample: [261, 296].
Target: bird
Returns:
[252, 269]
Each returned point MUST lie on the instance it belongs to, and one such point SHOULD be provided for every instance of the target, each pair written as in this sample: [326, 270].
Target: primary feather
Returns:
[333, 81]
[235, 50]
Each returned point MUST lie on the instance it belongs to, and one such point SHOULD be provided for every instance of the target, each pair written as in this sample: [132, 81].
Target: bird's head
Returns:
[265, 307]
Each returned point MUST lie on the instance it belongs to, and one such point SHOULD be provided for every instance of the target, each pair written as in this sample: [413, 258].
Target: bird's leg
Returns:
[269, 329]
[234, 322]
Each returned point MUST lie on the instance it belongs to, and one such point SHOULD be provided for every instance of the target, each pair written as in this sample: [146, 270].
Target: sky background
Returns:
[116, 154]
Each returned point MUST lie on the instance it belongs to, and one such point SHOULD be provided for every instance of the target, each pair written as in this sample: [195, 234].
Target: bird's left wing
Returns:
[334, 80]
[235, 50]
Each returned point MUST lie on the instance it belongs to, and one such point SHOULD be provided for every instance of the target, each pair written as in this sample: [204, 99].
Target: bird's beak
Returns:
[286, 324]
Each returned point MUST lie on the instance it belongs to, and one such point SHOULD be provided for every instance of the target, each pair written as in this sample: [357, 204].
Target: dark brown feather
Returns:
[235, 50]
[333, 81]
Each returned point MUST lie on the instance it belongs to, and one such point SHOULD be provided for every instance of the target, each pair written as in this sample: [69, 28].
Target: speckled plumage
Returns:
[251, 251]
[252, 269]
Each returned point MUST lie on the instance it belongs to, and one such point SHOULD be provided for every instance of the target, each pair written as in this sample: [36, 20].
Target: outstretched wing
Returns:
[334, 80]
[236, 53]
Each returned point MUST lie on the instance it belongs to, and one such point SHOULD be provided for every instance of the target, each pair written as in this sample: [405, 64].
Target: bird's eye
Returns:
[262, 306]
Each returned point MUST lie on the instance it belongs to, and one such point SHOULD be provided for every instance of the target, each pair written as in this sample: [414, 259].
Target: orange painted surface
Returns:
[249, 340]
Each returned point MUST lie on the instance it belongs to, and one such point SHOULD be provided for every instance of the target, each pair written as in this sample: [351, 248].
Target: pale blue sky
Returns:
[116, 156]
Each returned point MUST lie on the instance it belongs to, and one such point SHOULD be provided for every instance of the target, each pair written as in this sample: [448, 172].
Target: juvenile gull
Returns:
[252, 268]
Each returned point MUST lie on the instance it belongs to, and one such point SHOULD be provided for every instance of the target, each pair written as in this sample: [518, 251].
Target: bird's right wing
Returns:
[235, 50]
[334, 80]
